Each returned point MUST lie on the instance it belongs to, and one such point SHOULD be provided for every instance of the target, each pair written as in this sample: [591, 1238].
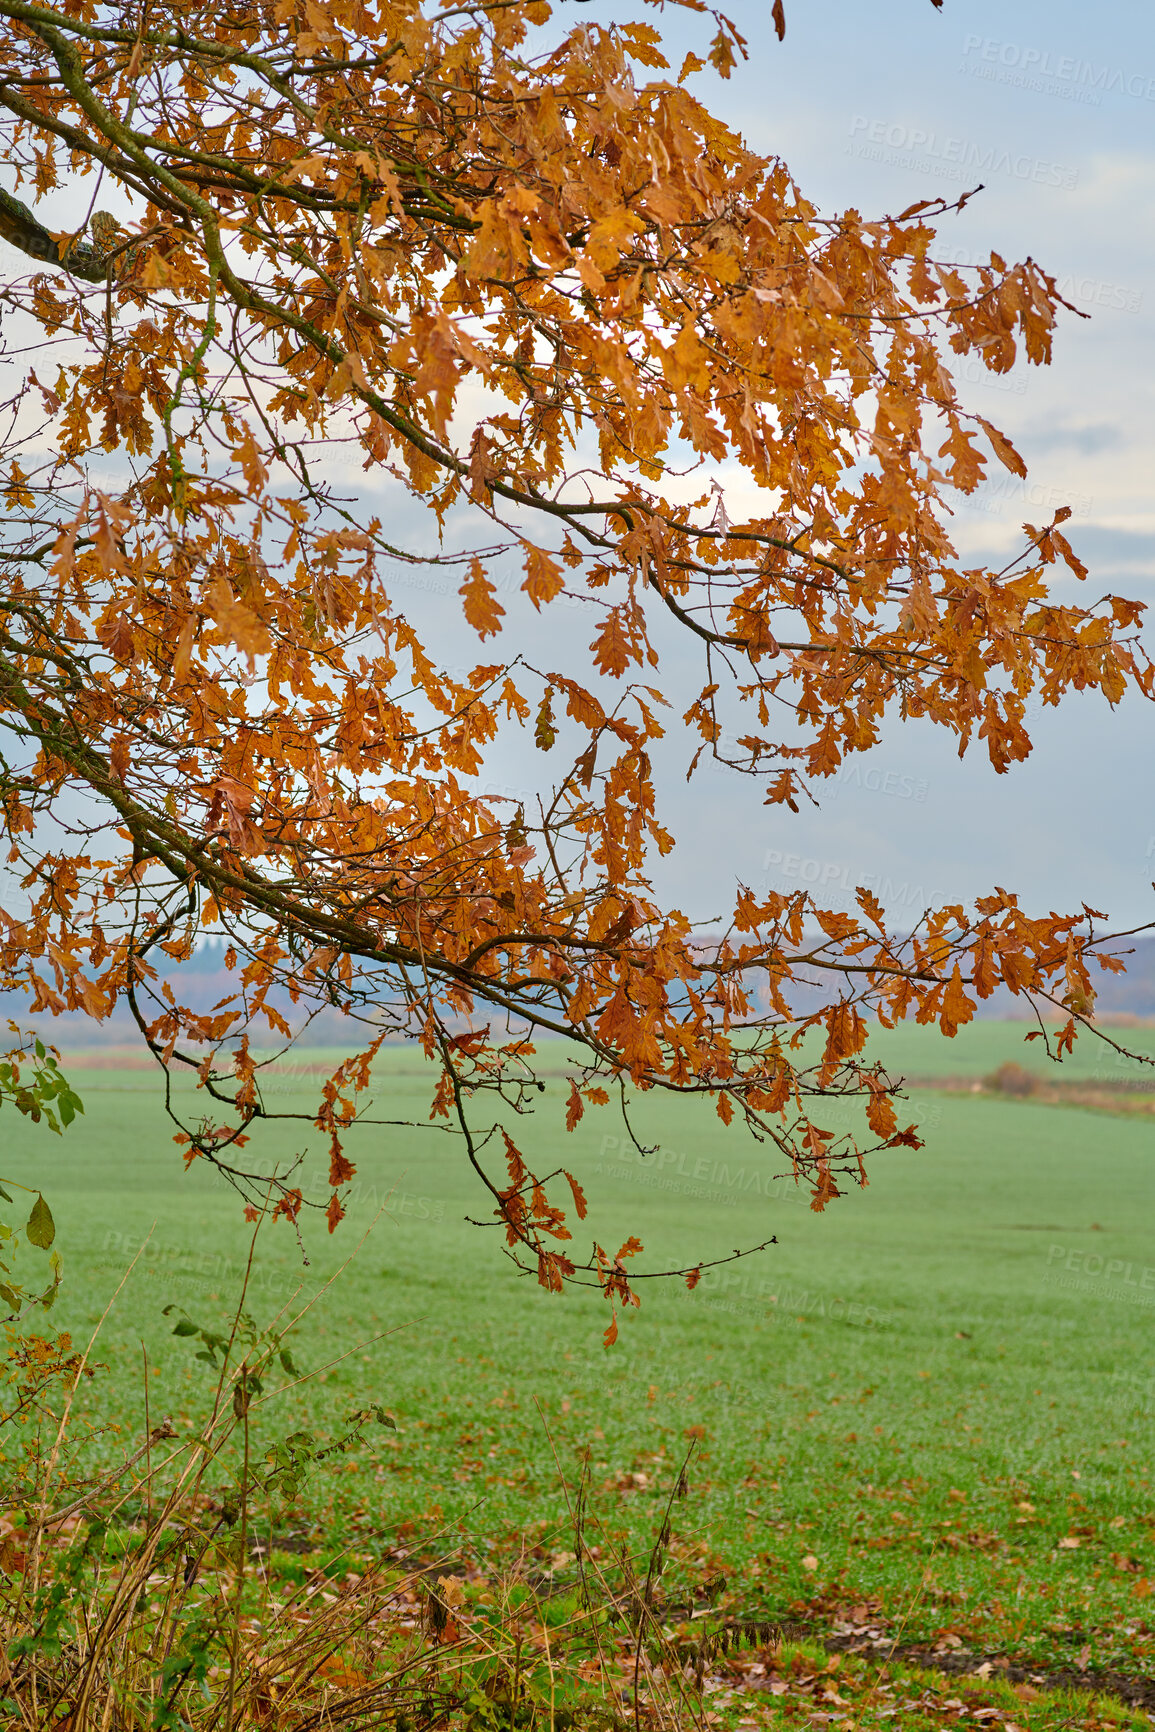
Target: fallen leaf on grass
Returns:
[947, 1641]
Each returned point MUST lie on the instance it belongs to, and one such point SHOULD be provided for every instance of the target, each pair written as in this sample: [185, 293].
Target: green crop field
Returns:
[936, 1398]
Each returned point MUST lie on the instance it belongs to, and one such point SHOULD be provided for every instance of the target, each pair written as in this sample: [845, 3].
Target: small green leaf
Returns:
[41, 1228]
[10, 1297]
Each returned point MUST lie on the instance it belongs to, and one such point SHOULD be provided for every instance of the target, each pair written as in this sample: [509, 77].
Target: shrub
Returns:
[1012, 1079]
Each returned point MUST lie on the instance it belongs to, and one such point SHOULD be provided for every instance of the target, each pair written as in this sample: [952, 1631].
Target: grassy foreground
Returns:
[927, 1411]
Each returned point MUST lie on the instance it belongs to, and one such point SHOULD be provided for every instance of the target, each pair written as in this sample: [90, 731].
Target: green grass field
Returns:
[937, 1396]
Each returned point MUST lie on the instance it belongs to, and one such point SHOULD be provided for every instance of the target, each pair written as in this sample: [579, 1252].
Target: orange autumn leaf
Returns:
[575, 1107]
[341, 1169]
[1003, 449]
[480, 604]
[543, 578]
[579, 1197]
[611, 647]
[514, 1162]
[957, 1008]
[880, 1115]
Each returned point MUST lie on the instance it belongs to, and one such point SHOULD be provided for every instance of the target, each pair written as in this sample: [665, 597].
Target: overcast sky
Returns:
[1053, 107]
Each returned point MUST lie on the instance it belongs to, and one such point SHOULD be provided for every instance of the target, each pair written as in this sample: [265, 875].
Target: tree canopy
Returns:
[512, 269]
